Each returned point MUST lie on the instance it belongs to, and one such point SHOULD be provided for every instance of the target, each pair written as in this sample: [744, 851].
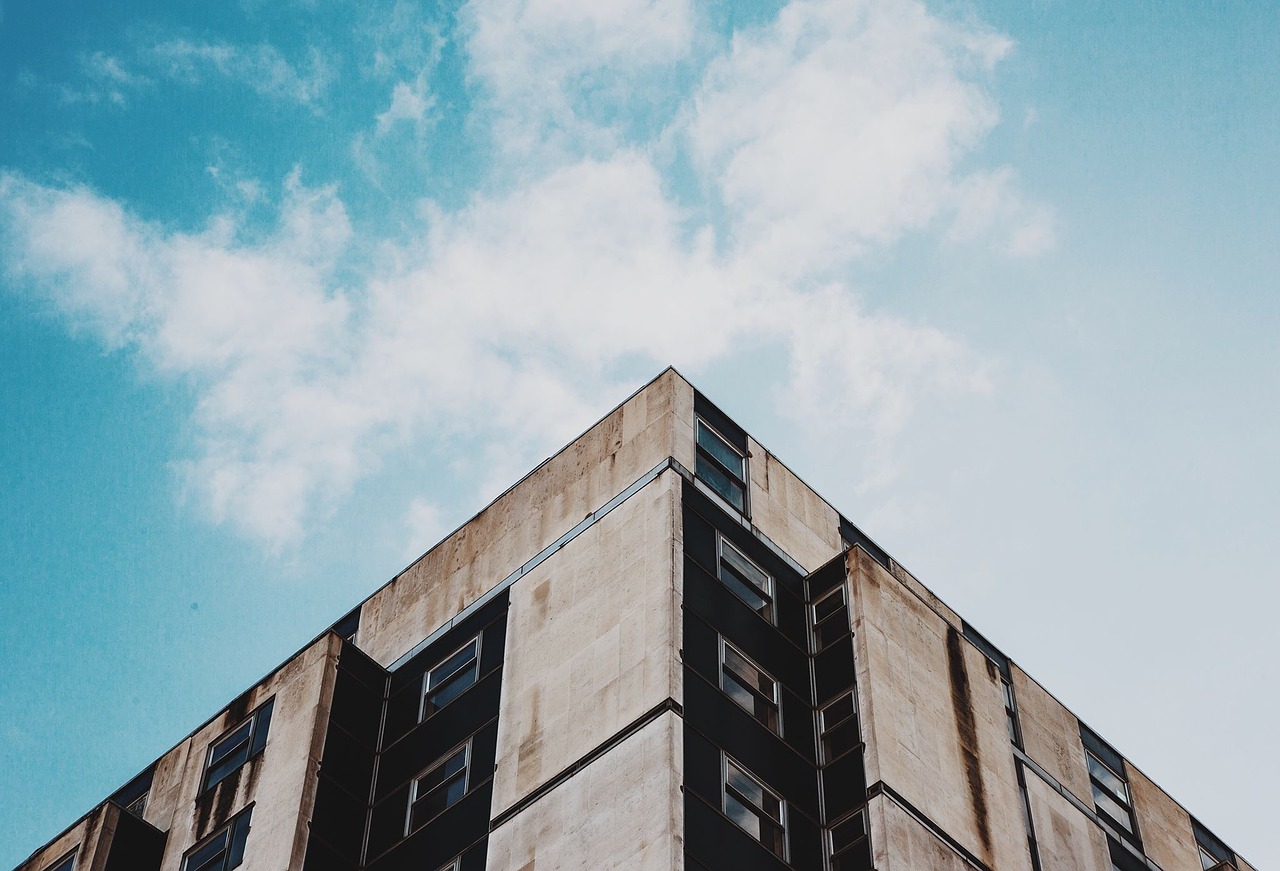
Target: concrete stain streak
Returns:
[967, 727]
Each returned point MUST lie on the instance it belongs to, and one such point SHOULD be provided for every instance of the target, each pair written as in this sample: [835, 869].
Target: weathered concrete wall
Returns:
[900, 843]
[1166, 828]
[933, 718]
[793, 516]
[277, 781]
[623, 811]
[654, 424]
[1051, 735]
[591, 640]
[937, 605]
[1068, 840]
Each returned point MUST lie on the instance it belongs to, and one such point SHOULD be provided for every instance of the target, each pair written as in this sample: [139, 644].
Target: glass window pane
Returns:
[748, 594]
[228, 765]
[748, 673]
[230, 744]
[725, 487]
[840, 739]
[723, 452]
[451, 689]
[745, 786]
[1108, 778]
[743, 815]
[832, 629]
[442, 772]
[847, 832]
[452, 665]
[261, 725]
[1118, 813]
[824, 608]
[744, 567]
[210, 855]
[839, 710]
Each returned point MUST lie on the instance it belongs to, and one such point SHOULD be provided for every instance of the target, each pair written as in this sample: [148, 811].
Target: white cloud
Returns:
[261, 68]
[988, 205]
[544, 64]
[839, 125]
[315, 350]
[410, 103]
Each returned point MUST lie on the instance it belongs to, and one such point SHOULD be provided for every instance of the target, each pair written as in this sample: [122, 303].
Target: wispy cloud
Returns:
[317, 348]
[261, 68]
[104, 80]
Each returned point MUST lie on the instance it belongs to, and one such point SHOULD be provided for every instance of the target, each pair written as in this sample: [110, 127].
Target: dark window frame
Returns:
[1100, 785]
[254, 743]
[767, 596]
[825, 728]
[861, 840]
[773, 704]
[814, 624]
[426, 705]
[233, 836]
[446, 780]
[67, 861]
[727, 792]
[716, 465]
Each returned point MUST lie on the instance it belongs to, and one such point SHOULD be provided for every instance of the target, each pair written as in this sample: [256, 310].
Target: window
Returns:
[838, 728]
[848, 845]
[439, 787]
[222, 850]
[446, 681]
[1122, 859]
[237, 746]
[1107, 780]
[748, 685]
[755, 809]
[1011, 711]
[66, 863]
[1213, 853]
[748, 581]
[138, 806]
[830, 618]
[722, 467]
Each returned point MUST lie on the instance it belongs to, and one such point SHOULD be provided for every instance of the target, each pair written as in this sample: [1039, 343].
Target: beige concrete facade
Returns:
[594, 644]
[933, 718]
[624, 811]
[650, 427]
[1067, 839]
[590, 640]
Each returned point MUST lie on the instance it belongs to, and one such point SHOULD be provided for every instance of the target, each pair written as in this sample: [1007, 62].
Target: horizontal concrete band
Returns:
[666, 705]
[670, 463]
[1089, 812]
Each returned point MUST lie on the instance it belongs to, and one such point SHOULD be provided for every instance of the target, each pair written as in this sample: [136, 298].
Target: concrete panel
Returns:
[654, 424]
[592, 635]
[1165, 826]
[1051, 735]
[933, 718]
[899, 842]
[279, 782]
[794, 517]
[1068, 840]
[911, 583]
[623, 811]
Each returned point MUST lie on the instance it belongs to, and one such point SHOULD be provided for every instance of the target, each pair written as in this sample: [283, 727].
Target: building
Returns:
[659, 650]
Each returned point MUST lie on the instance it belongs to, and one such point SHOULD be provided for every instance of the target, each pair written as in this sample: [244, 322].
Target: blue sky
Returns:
[289, 289]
